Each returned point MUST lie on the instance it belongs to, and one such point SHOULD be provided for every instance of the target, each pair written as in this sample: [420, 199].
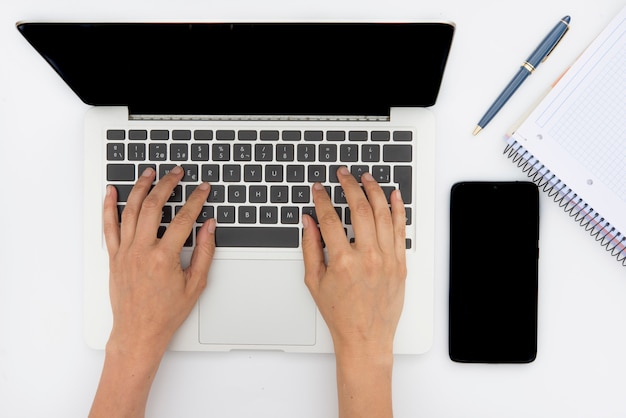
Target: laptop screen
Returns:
[248, 68]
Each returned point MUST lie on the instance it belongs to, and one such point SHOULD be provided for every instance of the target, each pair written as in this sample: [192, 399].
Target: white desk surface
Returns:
[46, 369]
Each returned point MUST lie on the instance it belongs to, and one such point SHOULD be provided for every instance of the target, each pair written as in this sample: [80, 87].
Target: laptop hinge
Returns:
[254, 118]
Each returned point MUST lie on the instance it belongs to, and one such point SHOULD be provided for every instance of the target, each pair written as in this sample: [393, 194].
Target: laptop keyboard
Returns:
[260, 179]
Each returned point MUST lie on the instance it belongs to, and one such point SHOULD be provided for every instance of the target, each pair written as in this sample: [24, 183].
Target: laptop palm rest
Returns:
[256, 302]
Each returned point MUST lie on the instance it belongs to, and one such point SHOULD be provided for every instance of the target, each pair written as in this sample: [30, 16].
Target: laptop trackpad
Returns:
[257, 302]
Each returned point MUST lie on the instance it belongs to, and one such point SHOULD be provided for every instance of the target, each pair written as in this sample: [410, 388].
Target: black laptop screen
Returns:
[244, 68]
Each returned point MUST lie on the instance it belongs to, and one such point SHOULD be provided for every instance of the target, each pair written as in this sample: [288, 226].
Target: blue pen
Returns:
[537, 57]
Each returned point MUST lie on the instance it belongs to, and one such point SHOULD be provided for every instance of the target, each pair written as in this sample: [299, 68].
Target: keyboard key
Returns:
[121, 172]
[263, 237]
[123, 190]
[306, 152]
[292, 135]
[191, 172]
[226, 214]
[179, 152]
[231, 173]
[116, 134]
[237, 194]
[217, 194]
[316, 173]
[381, 135]
[284, 152]
[221, 152]
[159, 135]
[177, 194]
[206, 213]
[397, 153]
[358, 170]
[370, 153]
[349, 153]
[300, 194]
[225, 135]
[200, 152]
[328, 153]
[295, 174]
[313, 135]
[247, 135]
[210, 173]
[403, 136]
[247, 214]
[258, 194]
[269, 135]
[242, 152]
[263, 152]
[252, 173]
[166, 215]
[268, 214]
[164, 169]
[402, 175]
[181, 135]
[335, 136]
[357, 136]
[158, 152]
[137, 135]
[203, 135]
[136, 152]
[274, 173]
[279, 194]
[381, 173]
[289, 215]
[115, 152]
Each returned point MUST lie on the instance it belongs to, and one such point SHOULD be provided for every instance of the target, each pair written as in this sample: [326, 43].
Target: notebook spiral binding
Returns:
[601, 230]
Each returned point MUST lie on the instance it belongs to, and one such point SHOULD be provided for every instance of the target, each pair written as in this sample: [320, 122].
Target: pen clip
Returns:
[556, 43]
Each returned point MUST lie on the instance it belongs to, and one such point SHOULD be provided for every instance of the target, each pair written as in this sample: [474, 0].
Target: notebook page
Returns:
[578, 131]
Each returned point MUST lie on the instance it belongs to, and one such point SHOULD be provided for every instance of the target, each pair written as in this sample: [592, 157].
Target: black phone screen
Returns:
[494, 238]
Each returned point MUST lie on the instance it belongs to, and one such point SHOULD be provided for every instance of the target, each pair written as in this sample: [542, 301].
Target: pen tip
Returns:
[477, 130]
[566, 19]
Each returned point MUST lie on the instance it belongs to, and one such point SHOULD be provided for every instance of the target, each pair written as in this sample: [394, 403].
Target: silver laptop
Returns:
[261, 111]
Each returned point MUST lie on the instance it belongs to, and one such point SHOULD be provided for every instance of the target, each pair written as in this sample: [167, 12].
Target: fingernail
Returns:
[318, 186]
[177, 170]
[367, 177]
[147, 172]
[211, 226]
[343, 171]
[204, 186]
[399, 195]
[109, 190]
[305, 222]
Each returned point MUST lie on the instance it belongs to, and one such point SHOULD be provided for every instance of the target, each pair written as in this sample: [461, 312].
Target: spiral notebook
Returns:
[573, 144]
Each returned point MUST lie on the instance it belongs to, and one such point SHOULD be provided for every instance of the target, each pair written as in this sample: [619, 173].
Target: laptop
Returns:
[261, 111]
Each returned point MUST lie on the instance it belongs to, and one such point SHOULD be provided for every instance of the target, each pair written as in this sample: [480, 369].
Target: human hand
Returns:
[151, 294]
[360, 291]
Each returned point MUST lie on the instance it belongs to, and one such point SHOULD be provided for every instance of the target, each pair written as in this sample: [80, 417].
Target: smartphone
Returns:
[494, 252]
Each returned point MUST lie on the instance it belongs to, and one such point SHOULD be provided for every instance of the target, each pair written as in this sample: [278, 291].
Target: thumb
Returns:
[313, 254]
[201, 258]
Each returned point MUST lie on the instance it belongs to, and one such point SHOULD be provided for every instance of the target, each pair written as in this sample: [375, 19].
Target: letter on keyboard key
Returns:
[262, 237]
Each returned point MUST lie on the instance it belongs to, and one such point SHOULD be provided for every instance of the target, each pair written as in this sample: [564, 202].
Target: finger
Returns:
[131, 212]
[201, 259]
[382, 214]
[152, 206]
[361, 213]
[110, 221]
[330, 224]
[398, 215]
[314, 264]
[179, 229]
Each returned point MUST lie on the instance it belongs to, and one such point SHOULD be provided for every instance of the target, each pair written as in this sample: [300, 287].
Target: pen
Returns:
[540, 54]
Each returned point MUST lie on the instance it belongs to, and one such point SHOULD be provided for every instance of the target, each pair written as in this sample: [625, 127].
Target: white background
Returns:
[46, 369]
